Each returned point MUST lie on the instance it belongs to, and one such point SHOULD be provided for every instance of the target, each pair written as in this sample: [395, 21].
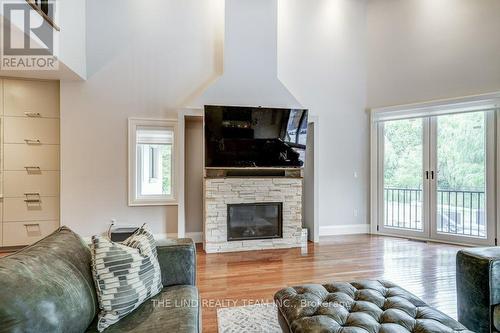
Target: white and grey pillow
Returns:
[125, 274]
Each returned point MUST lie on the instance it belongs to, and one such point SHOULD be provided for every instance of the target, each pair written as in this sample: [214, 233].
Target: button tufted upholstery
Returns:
[359, 307]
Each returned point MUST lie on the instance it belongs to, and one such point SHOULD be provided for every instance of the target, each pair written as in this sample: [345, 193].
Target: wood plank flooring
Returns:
[233, 279]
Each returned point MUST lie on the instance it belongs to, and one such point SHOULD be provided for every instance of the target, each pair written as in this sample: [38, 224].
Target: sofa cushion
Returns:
[48, 286]
[126, 274]
[364, 306]
[174, 309]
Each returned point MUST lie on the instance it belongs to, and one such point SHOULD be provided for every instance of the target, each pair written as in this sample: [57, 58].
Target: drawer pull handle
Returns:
[32, 201]
[33, 170]
[32, 141]
[32, 194]
[33, 114]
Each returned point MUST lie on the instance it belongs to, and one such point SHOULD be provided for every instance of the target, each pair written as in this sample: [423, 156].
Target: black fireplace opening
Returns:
[254, 221]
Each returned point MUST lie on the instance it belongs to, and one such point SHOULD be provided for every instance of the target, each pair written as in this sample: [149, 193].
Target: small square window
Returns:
[152, 162]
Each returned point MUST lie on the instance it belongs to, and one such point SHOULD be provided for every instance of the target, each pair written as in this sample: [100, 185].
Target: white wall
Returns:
[421, 50]
[144, 59]
[249, 75]
[71, 20]
[322, 62]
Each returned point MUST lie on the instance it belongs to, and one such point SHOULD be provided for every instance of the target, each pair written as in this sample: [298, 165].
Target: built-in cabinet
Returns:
[30, 163]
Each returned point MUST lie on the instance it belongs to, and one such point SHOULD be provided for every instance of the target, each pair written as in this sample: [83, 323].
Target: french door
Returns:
[436, 177]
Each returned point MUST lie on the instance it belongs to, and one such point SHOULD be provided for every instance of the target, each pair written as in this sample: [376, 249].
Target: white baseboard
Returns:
[165, 236]
[197, 237]
[345, 229]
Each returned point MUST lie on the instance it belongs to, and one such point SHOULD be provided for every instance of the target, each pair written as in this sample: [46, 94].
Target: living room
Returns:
[249, 166]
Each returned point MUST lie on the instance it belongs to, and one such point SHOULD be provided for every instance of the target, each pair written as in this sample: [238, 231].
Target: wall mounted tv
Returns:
[254, 137]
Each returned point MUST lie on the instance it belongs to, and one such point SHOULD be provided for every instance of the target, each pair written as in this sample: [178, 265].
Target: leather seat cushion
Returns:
[364, 306]
[174, 309]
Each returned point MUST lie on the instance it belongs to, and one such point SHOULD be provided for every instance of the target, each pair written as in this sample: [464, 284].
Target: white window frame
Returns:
[151, 200]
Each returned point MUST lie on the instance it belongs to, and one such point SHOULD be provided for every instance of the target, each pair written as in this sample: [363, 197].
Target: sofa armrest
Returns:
[177, 258]
[478, 287]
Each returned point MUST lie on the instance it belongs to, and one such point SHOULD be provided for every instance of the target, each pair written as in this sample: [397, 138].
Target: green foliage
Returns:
[461, 152]
[166, 160]
[403, 154]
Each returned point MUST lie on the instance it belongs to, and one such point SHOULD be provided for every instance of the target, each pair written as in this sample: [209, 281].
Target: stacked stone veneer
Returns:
[219, 192]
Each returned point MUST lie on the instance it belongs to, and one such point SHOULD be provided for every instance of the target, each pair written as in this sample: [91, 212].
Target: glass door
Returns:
[402, 185]
[463, 180]
[436, 178]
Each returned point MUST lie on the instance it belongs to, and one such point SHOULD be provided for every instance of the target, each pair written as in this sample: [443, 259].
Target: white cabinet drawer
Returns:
[24, 98]
[16, 209]
[17, 183]
[26, 233]
[29, 130]
[20, 156]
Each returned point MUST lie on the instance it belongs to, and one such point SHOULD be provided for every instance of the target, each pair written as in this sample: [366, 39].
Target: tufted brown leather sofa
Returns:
[359, 307]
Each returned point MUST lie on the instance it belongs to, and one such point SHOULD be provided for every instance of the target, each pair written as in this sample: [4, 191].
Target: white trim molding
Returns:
[197, 237]
[134, 199]
[344, 229]
[483, 102]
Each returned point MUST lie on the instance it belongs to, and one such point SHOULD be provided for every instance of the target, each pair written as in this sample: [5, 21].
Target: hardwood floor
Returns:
[233, 279]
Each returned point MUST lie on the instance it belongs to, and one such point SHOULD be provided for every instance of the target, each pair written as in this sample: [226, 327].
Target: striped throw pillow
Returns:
[126, 274]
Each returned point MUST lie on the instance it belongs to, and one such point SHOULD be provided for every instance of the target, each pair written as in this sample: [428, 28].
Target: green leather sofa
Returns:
[478, 289]
[48, 288]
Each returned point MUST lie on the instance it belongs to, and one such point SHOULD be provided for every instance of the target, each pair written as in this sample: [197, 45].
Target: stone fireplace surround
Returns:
[219, 192]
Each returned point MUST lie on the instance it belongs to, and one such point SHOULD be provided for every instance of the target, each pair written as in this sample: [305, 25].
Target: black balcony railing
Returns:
[459, 212]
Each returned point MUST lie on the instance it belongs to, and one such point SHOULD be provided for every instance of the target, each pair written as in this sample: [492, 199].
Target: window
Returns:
[296, 132]
[297, 128]
[433, 170]
[152, 162]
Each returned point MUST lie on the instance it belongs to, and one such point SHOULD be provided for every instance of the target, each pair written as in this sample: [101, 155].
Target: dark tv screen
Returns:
[254, 137]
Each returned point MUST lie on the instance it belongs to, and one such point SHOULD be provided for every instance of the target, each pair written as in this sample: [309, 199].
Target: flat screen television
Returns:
[254, 137]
